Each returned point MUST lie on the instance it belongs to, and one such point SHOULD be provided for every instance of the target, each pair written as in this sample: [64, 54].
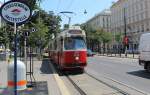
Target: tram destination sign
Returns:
[15, 12]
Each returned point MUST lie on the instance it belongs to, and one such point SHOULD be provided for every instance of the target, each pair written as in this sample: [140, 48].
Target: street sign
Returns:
[33, 29]
[15, 12]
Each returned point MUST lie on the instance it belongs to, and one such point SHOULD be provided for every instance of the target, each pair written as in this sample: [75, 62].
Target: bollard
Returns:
[21, 76]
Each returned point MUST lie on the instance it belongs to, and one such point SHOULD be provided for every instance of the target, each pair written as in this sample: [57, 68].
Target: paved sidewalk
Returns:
[46, 84]
[3, 75]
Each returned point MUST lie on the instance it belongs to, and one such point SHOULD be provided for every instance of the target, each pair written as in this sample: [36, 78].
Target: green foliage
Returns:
[118, 37]
[98, 34]
[38, 38]
[33, 3]
[6, 35]
[106, 37]
[46, 24]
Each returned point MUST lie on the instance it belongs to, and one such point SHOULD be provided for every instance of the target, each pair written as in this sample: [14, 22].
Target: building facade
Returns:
[130, 17]
[100, 21]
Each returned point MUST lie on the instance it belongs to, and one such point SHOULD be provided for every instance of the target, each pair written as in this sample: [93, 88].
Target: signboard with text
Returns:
[15, 12]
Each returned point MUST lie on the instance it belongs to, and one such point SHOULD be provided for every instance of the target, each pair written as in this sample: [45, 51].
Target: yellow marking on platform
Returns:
[63, 89]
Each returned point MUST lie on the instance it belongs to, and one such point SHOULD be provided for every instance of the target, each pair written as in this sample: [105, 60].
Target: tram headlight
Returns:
[77, 58]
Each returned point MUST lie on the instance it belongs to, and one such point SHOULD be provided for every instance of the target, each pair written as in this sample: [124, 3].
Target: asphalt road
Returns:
[124, 70]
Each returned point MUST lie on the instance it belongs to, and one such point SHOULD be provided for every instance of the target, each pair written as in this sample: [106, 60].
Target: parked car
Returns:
[144, 51]
[90, 53]
[130, 51]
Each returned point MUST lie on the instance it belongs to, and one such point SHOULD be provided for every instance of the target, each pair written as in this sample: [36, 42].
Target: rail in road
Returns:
[121, 91]
[82, 92]
[111, 86]
[115, 86]
[76, 86]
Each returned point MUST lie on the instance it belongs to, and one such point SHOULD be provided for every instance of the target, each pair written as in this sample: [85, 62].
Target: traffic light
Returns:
[126, 40]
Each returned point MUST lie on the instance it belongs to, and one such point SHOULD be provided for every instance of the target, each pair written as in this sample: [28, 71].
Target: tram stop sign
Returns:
[15, 12]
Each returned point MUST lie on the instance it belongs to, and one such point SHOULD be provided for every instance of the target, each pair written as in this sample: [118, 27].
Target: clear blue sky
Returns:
[77, 6]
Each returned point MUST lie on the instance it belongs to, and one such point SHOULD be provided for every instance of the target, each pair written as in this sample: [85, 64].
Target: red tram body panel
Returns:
[68, 49]
[73, 59]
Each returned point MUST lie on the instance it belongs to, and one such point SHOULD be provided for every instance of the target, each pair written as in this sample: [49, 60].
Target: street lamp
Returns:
[125, 40]
[67, 12]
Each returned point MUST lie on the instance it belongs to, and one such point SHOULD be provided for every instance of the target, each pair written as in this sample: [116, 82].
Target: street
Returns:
[124, 70]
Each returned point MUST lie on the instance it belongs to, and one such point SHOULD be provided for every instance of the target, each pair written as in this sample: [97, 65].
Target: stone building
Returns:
[100, 21]
[132, 17]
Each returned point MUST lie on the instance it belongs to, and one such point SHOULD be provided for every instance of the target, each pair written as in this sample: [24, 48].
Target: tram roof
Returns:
[66, 32]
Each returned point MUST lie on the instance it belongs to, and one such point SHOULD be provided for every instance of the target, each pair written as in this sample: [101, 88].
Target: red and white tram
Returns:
[68, 49]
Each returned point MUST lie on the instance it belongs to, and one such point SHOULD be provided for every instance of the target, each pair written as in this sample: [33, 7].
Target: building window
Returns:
[142, 28]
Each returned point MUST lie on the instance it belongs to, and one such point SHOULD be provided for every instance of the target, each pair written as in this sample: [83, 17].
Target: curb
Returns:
[118, 56]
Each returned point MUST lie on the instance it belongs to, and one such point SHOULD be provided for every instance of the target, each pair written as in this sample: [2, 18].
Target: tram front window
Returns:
[75, 43]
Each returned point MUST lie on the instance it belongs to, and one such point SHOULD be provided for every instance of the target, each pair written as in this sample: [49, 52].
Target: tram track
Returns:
[121, 91]
[75, 85]
[111, 86]
[80, 90]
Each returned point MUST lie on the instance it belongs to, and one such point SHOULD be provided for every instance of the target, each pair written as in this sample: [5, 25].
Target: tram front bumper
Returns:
[74, 65]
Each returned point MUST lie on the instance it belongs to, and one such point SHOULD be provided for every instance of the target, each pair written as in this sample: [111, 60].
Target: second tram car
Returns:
[68, 50]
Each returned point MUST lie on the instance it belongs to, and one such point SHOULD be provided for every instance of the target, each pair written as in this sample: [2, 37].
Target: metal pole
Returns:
[125, 31]
[15, 60]
[69, 21]
[25, 50]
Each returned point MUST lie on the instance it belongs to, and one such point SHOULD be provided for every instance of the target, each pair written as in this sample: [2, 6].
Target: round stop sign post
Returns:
[15, 13]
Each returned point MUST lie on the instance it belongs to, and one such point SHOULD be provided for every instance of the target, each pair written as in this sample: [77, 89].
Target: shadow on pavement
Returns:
[73, 72]
[140, 73]
[45, 67]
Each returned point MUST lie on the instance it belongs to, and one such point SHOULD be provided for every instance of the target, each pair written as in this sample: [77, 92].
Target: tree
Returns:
[6, 36]
[38, 38]
[32, 3]
[95, 37]
[46, 24]
[106, 37]
[118, 37]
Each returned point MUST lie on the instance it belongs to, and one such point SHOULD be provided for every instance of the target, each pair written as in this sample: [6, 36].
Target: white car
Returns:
[144, 51]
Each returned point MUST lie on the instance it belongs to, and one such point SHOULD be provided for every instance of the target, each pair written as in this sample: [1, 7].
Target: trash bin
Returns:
[21, 76]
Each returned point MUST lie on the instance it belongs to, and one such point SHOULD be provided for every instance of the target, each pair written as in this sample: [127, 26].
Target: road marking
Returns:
[61, 85]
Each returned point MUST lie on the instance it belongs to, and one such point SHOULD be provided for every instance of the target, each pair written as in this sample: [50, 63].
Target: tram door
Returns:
[60, 51]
